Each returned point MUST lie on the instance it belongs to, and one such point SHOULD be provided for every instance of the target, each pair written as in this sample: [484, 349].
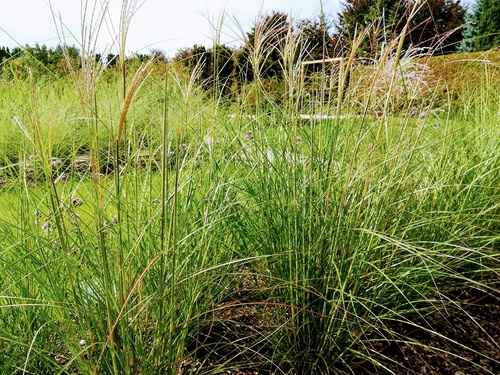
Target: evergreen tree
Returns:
[488, 26]
[469, 33]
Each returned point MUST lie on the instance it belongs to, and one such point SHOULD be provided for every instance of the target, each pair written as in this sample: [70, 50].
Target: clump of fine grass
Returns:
[134, 261]
[200, 242]
[365, 223]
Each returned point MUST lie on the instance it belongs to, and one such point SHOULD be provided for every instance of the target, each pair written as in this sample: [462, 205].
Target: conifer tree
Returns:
[488, 25]
[469, 33]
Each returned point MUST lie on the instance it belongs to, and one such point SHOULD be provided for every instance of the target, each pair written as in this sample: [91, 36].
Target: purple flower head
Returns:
[55, 162]
[297, 140]
[46, 228]
[62, 178]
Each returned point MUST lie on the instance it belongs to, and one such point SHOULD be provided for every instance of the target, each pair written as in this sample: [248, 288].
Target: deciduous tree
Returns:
[260, 56]
[316, 37]
[4, 54]
[215, 66]
[435, 26]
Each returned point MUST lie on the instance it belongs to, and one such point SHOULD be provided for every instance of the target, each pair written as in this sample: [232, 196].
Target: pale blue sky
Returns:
[167, 25]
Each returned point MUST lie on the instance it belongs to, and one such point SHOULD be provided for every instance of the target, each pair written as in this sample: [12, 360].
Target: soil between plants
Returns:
[466, 341]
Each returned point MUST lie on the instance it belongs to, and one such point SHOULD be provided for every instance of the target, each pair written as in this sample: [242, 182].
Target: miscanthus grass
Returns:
[146, 230]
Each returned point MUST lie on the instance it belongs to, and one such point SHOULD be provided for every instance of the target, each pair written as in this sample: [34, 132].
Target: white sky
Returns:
[167, 25]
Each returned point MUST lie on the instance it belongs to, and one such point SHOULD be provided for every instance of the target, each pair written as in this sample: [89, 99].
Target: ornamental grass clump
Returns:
[195, 240]
[390, 215]
[110, 282]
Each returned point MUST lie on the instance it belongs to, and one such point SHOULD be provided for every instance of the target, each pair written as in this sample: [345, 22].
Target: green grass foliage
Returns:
[195, 236]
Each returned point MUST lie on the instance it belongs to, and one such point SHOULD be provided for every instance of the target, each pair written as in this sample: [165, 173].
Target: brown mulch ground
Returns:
[465, 341]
